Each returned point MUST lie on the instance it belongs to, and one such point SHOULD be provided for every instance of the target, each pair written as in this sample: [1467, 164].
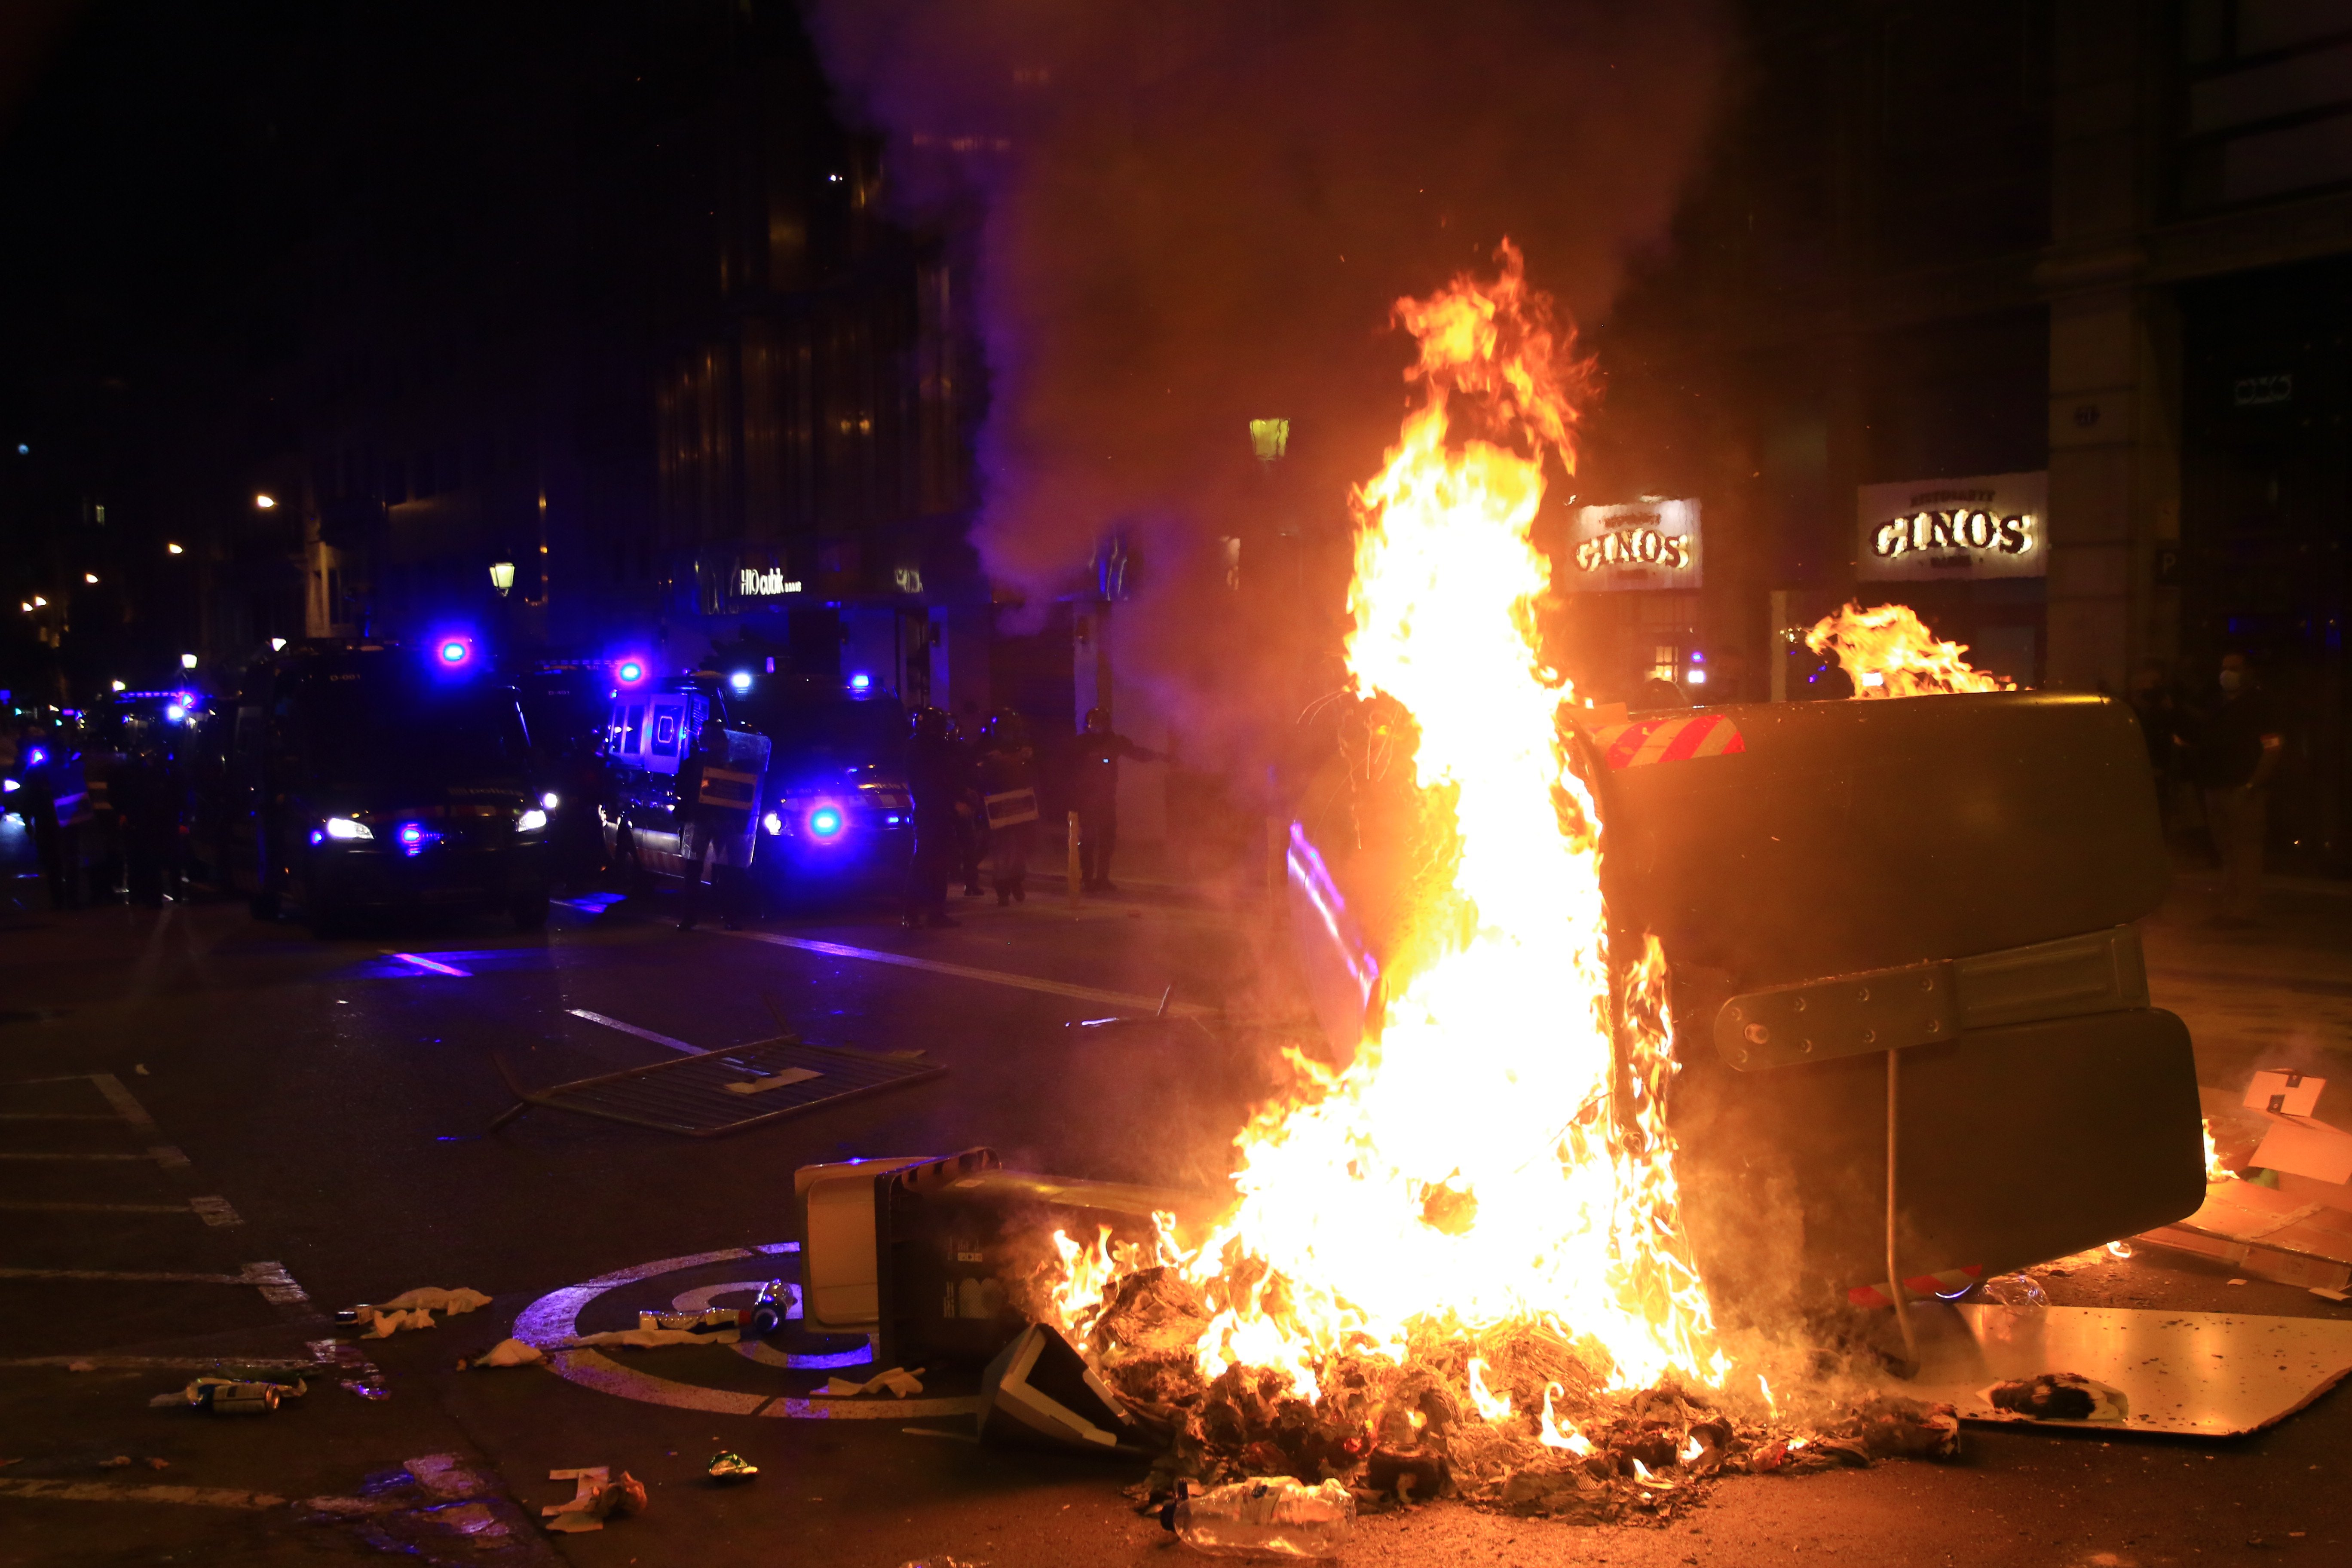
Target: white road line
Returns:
[11, 1154]
[103, 1491]
[139, 1277]
[1121, 999]
[167, 1363]
[164, 1154]
[633, 1029]
[57, 1116]
[120, 1097]
[215, 1211]
[278, 1289]
[15, 1207]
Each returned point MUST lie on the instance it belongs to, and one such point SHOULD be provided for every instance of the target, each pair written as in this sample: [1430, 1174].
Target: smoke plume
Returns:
[1188, 216]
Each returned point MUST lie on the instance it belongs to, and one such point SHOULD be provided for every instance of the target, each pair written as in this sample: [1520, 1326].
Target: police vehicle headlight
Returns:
[551, 800]
[9, 787]
[771, 822]
[531, 821]
[344, 828]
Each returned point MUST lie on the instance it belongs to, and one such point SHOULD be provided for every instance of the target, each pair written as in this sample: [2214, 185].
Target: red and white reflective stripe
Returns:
[1948, 1282]
[1648, 741]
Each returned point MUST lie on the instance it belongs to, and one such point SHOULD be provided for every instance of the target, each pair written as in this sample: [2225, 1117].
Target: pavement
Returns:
[214, 1131]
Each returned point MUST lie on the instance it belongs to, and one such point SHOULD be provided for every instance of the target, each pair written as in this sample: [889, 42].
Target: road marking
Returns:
[127, 1108]
[15, 1207]
[215, 1211]
[555, 1317]
[57, 1116]
[168, 1363]
[434, 964]
[137, 1277]
[164, 1154]
[1122, 999]
[277, 1286]
[278, 1289]
[102, 1491]
[633, 1029]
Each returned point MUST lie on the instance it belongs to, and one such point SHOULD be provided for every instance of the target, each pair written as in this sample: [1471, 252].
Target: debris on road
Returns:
[2297, 1232]
[595, 1498]
[411, 1310]
[644, 1339]
[722, 1090]
[728, 1467]
[897, 1380]
[1040, 1390]
[120, 1462]
[709, 1321]
[506, 1352]
[1275, 1517]
[365, 1379]
[2060, 1396]
[232, 1396]
[770, 1308]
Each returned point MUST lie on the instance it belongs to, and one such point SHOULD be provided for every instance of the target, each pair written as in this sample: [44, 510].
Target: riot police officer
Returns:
[721, 799]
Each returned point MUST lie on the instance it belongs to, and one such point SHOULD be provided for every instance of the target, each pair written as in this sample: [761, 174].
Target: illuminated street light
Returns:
[502, 576]
[117, 686]
[173, 549]
[39, 603]
[187, 661]
[265, 500]
[90, 577]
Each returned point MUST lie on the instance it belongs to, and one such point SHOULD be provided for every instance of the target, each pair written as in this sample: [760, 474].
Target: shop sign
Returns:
[763, 583]
[1640, 544]
[1990, 525]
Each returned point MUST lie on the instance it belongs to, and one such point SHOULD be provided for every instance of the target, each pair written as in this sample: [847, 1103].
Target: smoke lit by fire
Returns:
[1887, 652]
[1498, 1154]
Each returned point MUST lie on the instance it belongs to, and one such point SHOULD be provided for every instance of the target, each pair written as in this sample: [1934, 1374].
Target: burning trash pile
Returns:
[1456, 1264]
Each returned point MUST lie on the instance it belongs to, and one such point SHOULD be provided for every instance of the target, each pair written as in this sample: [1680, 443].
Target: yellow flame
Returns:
[1554, 1433]
[2215, 1171]
[1498, 1152]
[1889, 653]
[1493, 1406]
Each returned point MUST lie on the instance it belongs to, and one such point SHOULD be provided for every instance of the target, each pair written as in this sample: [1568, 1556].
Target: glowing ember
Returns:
[1498, 1154]
[1888, 653]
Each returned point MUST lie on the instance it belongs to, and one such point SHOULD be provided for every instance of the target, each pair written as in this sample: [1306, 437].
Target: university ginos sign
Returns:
[1643, 544]
[1988, 525]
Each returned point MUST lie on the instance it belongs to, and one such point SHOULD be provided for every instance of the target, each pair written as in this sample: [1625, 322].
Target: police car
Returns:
[363, 775]
[653, 726]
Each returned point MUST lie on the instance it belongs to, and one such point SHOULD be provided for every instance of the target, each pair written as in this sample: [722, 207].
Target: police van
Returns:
[363, 776]
[651, 728]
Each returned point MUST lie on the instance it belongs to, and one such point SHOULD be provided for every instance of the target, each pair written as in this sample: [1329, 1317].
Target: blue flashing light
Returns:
[1697, 658]
[861, 681]
[630, 671]
[35, 757]
[825, 822]
[454, 652]
[410, 835]
[174, 712]
[741, 680]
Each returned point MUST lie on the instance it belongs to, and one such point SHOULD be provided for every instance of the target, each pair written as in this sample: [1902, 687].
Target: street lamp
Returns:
[502, 576]
[187, 661]
[265, 500]
[90, 577]
[173, 549]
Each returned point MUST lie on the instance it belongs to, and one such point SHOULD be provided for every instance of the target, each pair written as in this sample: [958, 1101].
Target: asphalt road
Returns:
[218, 1106]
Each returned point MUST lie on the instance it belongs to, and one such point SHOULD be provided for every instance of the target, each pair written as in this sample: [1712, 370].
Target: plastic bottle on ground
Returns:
[1275, 1517]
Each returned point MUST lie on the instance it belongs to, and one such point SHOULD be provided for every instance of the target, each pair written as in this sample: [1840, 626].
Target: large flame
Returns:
[1498, 1154]
[1888, 652]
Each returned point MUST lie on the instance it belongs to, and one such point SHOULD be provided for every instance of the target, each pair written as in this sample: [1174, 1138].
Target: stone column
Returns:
[2113, 421]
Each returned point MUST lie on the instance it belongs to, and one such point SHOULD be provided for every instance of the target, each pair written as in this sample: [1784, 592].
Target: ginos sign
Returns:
[1646, 544]
[1957, 530]
[1988, 525]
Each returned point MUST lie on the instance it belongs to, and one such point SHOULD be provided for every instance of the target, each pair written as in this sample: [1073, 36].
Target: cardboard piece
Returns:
[2298, 1144]
[2271, 1234]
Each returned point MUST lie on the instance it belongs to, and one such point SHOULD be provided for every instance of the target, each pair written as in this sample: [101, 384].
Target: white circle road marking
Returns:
[752, 1348]
[555, 1317]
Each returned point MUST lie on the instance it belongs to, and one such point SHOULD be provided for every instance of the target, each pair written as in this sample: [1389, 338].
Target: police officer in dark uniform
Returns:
[1008, 768]
[1096, 795]
[935, 778]
[719, 799]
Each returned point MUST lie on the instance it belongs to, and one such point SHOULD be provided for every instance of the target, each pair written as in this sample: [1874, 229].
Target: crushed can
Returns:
[227, 1397]
[768, 1312]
